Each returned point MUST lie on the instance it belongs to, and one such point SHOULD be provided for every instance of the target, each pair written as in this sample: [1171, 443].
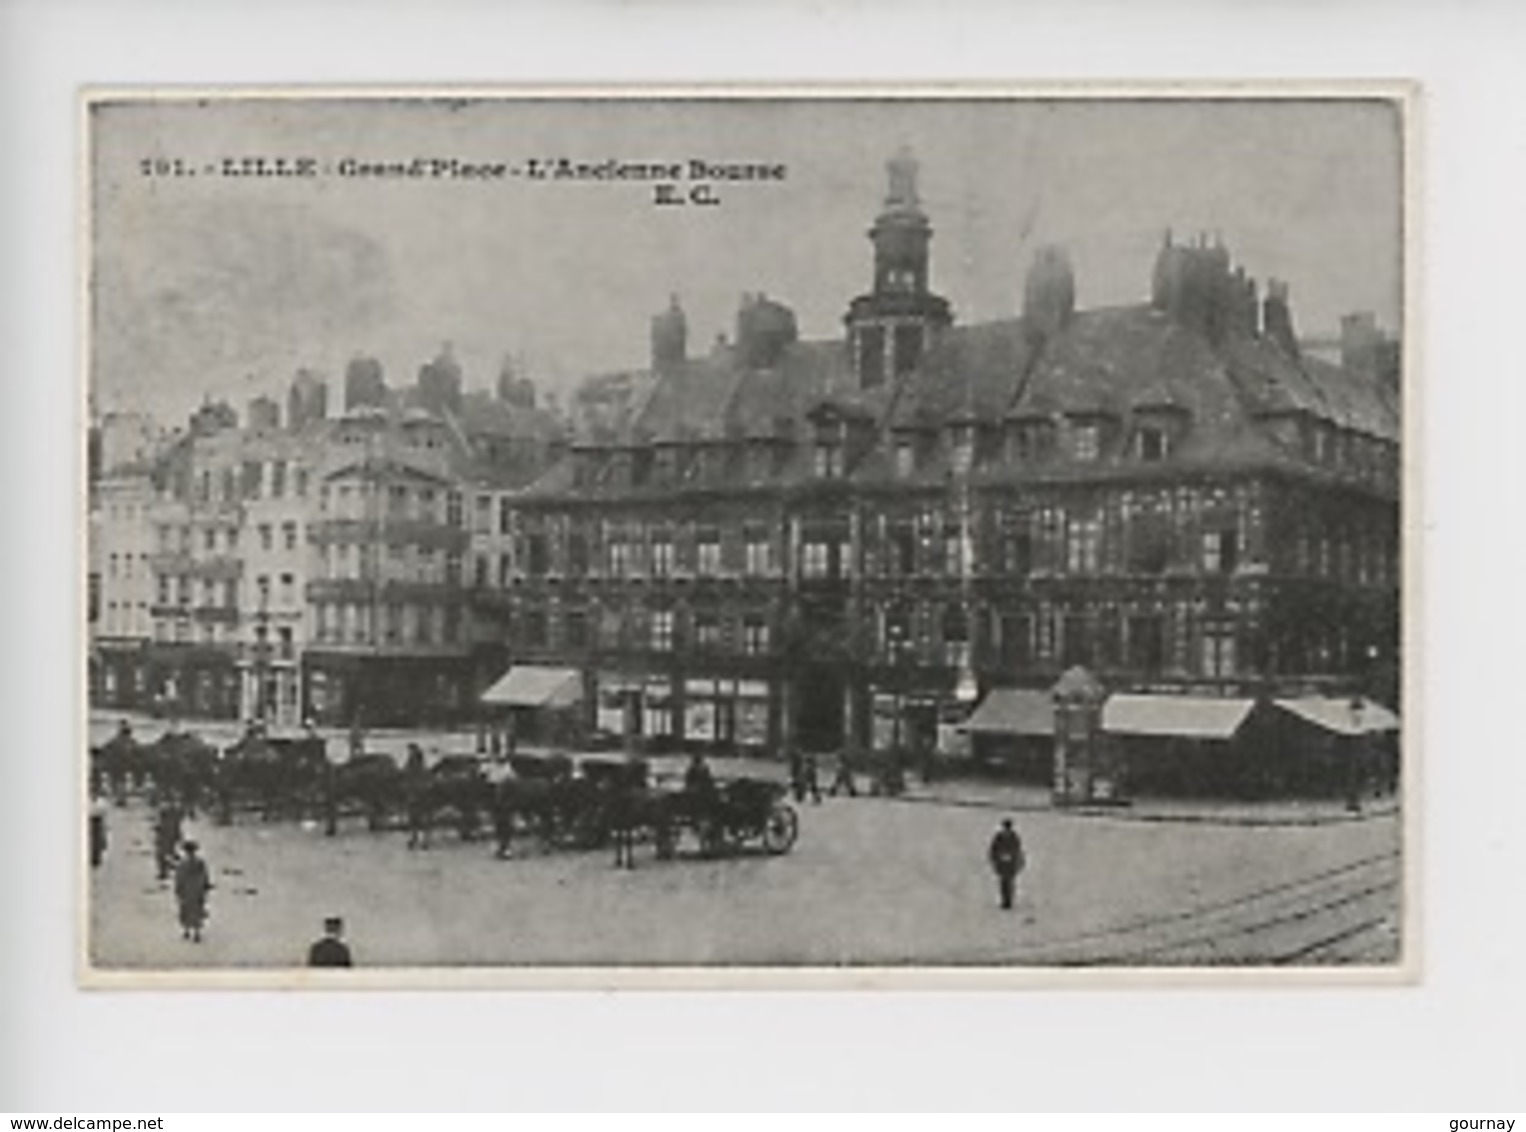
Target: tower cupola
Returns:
[892, 327]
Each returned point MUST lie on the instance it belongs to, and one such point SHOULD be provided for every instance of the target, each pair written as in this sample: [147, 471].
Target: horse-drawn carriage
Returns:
[732, 817]
[274, 776]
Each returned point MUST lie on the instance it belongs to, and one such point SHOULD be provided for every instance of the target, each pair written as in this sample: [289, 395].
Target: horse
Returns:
[181, 767]
[118, 763]
[536, 792]
[371, 782]
[455, 783]
[281, 776]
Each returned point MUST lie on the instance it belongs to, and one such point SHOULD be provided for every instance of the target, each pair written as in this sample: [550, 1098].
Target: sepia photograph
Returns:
[605, 535]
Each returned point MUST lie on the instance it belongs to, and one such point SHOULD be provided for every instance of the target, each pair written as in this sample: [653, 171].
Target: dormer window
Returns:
[905, 457]
[1152, 445]
[829, 459]
[1030, 441]
[1086, 442]
[962, 446]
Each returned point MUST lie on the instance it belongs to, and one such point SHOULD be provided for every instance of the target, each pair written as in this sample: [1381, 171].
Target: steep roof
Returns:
[973, 371]
[483, 414]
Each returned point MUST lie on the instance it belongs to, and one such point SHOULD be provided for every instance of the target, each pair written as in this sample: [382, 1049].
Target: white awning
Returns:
[1187, 717]
[1013, 711]
[529, 685]
[1342, 716]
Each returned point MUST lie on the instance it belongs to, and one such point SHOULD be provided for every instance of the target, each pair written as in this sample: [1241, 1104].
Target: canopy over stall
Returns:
[1355, 716]
[1012, 711]
[533, 686]
[1184, 717]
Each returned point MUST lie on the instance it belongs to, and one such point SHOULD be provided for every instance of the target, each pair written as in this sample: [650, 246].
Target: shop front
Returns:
[539, 705]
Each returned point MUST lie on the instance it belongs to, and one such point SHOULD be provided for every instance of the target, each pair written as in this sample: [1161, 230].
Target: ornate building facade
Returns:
[841, 543]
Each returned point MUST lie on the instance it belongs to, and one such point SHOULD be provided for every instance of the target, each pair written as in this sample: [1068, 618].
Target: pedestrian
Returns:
[98, 809]
[842, 780]
[1007, 860]
[167, 834]
[192, 883]
[812, 780]
[796, 763]
[331, 950]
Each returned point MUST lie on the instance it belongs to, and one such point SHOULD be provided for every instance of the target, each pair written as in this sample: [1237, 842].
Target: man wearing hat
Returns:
[331, 950]
[1007, 860]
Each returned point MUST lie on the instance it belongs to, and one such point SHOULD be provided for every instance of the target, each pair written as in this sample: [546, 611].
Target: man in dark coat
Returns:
[192, 883]
[331, 950]
[1006, 856]
[167, 825]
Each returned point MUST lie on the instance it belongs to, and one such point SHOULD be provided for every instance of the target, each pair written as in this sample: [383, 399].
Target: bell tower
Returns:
[892, 327]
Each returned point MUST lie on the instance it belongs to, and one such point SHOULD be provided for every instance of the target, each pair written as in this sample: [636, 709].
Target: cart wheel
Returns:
[781, 829]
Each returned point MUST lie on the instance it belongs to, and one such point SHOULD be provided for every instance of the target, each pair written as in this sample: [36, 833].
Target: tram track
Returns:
[1300, 920]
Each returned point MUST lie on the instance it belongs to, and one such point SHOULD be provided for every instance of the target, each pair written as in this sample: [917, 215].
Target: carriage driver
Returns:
[698, 780]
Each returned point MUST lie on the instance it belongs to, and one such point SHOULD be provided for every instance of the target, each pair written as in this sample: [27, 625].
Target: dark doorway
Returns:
[819, 699]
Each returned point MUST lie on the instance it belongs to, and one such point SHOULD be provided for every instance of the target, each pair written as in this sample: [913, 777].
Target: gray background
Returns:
[1450, 1043]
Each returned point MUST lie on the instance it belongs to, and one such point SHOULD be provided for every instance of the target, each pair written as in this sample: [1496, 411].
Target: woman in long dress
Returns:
[192, 883]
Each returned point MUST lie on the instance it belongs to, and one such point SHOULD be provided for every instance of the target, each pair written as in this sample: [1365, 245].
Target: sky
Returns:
[210, 285]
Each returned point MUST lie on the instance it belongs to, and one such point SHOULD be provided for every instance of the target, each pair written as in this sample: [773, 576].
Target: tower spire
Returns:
[901, 181]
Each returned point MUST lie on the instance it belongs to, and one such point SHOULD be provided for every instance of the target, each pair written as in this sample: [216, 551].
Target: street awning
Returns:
[1340, 716]
[1012, 711]
[1186, 717]
[529, 685]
